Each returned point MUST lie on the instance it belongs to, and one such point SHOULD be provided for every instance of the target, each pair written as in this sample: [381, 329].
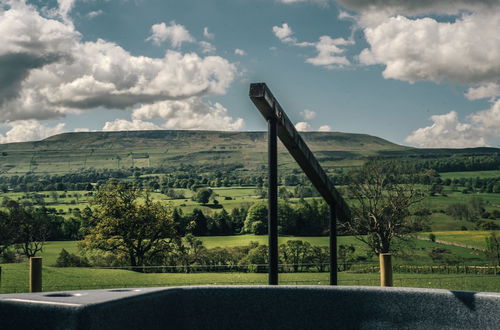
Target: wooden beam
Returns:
[270, 108]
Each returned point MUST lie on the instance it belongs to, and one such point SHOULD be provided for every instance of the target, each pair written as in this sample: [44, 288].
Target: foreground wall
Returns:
[251, 307]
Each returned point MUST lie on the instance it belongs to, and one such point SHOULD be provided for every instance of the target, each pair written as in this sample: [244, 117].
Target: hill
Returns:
[70, 152]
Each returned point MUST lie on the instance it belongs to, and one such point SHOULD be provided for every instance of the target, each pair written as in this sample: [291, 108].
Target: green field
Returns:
[416, 252]
[470, 174]
[15, 276]
[15, 279]
[236, 197]
[472, 238]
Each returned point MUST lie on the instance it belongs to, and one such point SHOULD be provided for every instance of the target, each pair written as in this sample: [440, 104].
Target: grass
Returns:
[245, 197]
[416, 253]
[15, 279]
[470, 174]
[15, 276]
[71, 152]
[473, 238]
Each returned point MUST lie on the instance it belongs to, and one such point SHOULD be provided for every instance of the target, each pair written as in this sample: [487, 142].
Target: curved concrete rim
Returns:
[253, 307]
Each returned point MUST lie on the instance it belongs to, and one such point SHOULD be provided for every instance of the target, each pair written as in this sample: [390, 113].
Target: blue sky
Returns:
[421, 73]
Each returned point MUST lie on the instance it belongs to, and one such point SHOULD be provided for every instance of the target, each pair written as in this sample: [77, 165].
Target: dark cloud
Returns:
[417, 6]
[14, 68]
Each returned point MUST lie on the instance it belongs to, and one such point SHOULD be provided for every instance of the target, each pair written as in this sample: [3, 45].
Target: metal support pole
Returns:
[333, 246]
[273, 201]
[35, 274]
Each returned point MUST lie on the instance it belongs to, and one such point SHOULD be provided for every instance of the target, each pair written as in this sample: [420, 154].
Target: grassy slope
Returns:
[472, 238]
[70, 152]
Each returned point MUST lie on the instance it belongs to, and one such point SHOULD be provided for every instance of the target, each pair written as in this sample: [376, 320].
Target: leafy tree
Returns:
[31, 227]
[459, 211]
[320, 257]
[381, 207]
[238, 216]
[346, 256]
[296, 253]
[256, 212]
[8, 231]
[188, 251]
[198, 224]
[203, 195]
[71, 228]
[220, 224]
[120, 224]
[258, 256]
[493, 248]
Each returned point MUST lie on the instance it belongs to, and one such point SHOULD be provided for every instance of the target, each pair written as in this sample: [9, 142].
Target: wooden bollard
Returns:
[385, 269]
[36, 274]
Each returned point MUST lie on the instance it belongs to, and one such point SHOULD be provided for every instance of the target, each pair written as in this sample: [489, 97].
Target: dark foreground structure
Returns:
[252, 307]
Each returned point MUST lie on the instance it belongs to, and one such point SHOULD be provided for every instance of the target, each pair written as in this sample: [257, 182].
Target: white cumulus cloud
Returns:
[192, 113]
[93, 14]
[466, 51]
[240, 52]
[489, 119]
[47, 71]
[320, 2]
[325, 128]
[207, 34]
[207, 48]
[29, 130]
[328, 49]
[303, 126]
[444, 40]
[482, 92]
[129, 125]
[284, 33]
[448, 131]
[308, 114]
[175, 33]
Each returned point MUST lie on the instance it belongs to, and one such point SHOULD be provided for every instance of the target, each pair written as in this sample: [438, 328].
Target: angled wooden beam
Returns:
[270, 108]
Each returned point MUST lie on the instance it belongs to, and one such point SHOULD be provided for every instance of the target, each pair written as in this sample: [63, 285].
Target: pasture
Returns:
[470, 174]
[472, 238]
[411, 251]
[15, 279]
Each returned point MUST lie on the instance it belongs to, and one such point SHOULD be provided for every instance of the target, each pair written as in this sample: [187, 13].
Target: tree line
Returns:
[190, 255]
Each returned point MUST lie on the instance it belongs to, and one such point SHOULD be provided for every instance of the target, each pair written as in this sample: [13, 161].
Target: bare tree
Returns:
[383, 197]
[493, 248]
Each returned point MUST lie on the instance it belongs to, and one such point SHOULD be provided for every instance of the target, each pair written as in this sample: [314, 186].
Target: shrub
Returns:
[67, 259]
[9, 256]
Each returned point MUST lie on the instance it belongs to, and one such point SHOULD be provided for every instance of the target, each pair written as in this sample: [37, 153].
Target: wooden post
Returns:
[385, 269]
[36, 274]
[0, 276]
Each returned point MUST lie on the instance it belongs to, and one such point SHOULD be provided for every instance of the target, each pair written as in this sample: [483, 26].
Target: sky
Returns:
[418, 73]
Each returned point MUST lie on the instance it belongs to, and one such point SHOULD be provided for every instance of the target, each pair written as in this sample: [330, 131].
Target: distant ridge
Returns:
[69, 152]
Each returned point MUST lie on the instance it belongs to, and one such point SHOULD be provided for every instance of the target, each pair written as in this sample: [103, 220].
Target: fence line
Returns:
[15, 279]
[317, 281]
